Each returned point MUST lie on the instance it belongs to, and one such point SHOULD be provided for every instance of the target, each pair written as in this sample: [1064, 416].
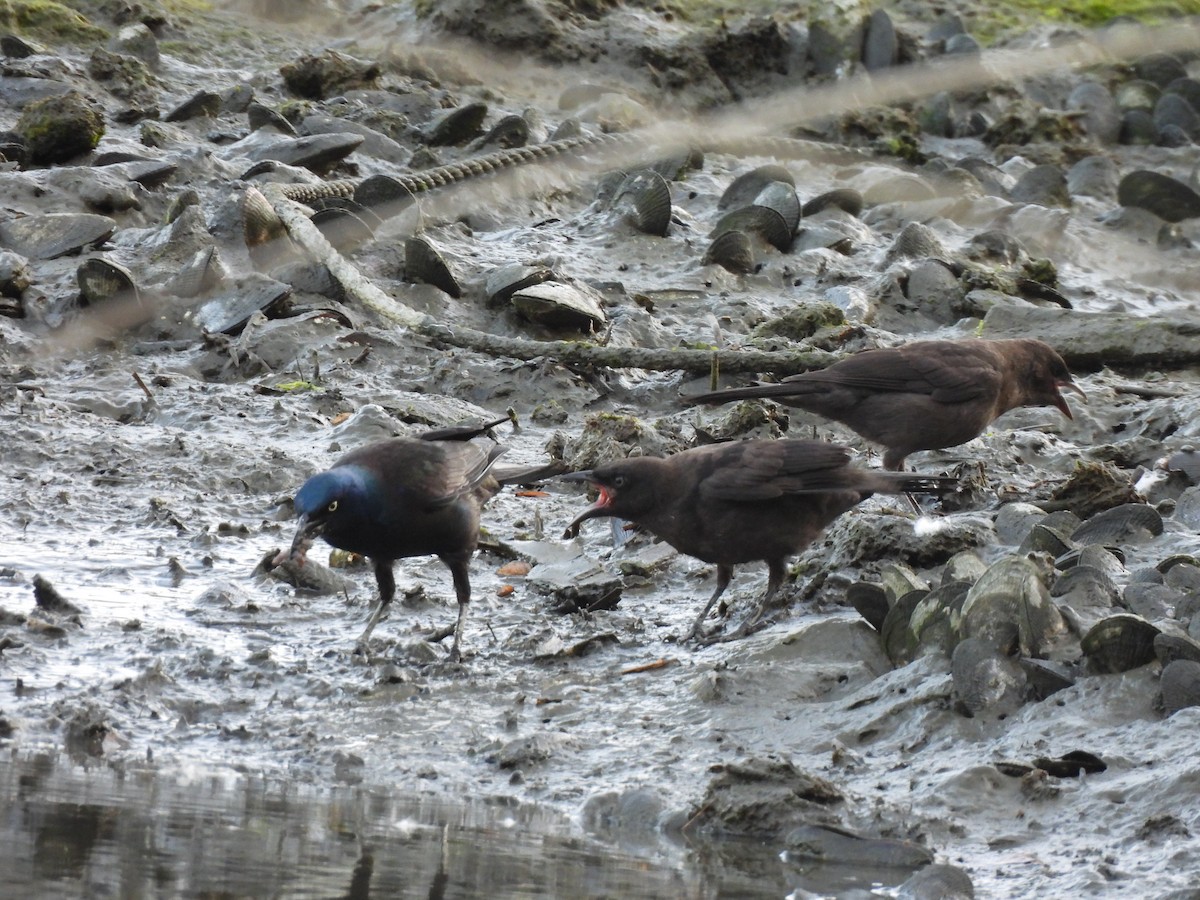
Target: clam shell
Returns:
[317, 152]
[870, 601]
[369, 217]
[766, 223]
[1043, 677]
[672, 168]
[1046, 539]
[342, 228]
[743, 189]
[781, 197]
[1119, 643]
[1187, 462]
[1010, 603]
[457, 126]
[1179, 686]
[1166, 197]
[261, 224]
[55, 234]
[502, 282]
[425, 265]
[650, 197]
[1124, 524]
[731, 250]
[930, 621]
[101, 281]
[199, 275]
[558, 305]
[1170, 647]
[1149, 600]
[898, 641]
[845, 199]
[228, 313]
[261, 116]
[510, 131]
[384, 195]
[201, 104]
[985, 679]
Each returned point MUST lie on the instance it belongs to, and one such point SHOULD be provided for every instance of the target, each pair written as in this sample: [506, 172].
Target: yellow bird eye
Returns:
[333, 506]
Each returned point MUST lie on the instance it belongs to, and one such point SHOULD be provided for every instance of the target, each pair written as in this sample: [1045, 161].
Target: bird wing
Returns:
[433, 473]
[947, 371]
[763, 470]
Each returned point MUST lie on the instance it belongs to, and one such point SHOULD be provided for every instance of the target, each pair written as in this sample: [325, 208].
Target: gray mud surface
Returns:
[152, 510]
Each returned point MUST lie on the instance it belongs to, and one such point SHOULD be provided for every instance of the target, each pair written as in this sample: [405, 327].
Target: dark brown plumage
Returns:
[740, 502]
[926, 395]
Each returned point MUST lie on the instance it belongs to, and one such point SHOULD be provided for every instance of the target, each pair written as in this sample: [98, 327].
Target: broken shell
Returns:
[423, 264]
[1119, 643]
[732, 251]
[743, 189]
[229, 313]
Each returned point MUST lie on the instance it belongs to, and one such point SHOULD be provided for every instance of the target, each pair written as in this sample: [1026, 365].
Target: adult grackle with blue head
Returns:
[407, 497]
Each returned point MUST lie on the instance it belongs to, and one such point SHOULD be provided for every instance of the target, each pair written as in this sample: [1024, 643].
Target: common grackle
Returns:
[741, 501]
[926, 395]
[406, 497]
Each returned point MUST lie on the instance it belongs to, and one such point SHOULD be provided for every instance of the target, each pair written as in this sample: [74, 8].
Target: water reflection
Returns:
[99, 831]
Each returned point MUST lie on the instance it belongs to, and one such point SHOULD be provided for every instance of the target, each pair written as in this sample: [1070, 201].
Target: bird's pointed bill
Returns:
[307, 530]
[597, 509]
[1061, 402]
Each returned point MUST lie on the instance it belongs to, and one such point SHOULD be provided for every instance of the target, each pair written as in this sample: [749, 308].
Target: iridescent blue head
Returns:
[333, 504]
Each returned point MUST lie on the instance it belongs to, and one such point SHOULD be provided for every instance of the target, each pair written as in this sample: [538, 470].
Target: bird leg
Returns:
[387, 590]
[724, 574]
[775, 574]
[462, 589]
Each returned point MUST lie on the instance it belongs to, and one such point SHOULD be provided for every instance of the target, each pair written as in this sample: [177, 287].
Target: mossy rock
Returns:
[49, 21]
[57, 129]
[801, 322]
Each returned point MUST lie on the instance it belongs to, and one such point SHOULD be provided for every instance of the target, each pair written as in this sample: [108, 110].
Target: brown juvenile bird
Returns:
[926, 395]
[741, 501]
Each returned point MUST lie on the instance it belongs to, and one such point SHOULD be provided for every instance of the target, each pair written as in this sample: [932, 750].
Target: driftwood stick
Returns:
[585, 353]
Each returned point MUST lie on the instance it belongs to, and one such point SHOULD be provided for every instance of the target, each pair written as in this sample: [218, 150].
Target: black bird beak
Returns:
[597, 510]
[1060, 401]
[307, 530]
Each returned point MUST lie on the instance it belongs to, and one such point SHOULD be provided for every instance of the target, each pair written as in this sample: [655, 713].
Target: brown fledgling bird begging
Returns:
[927, 395]
[742, 501]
